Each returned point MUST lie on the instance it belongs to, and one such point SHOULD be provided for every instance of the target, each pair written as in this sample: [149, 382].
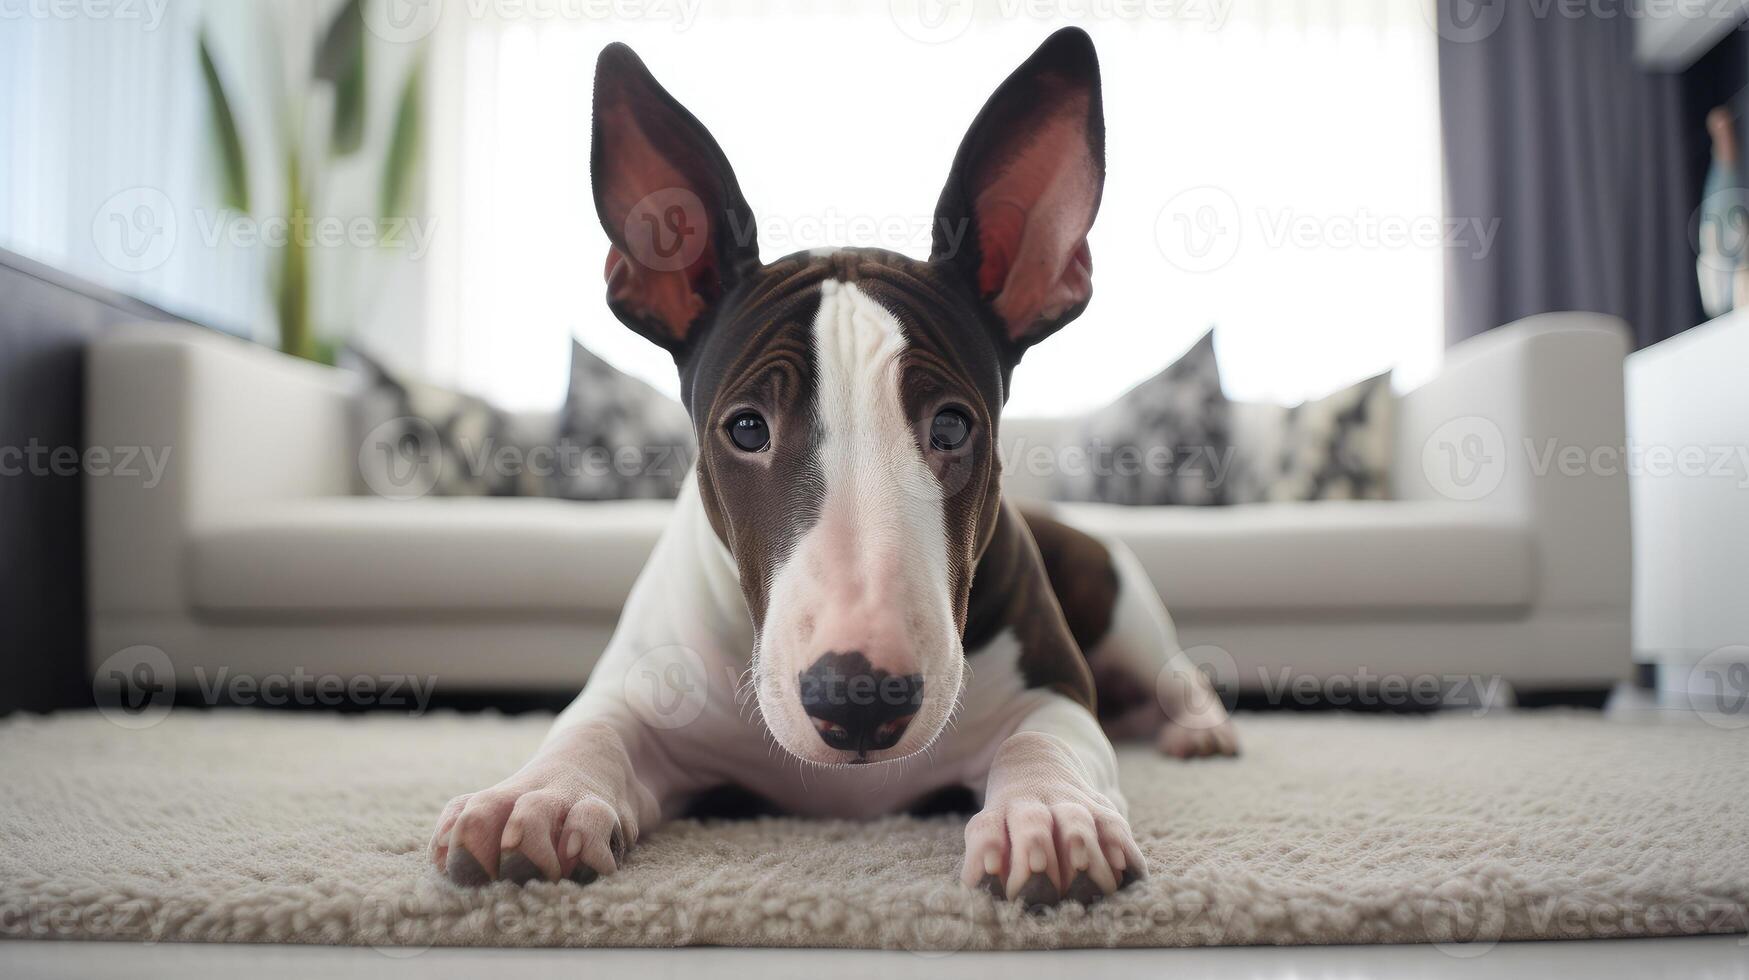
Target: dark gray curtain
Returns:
[1587, 161]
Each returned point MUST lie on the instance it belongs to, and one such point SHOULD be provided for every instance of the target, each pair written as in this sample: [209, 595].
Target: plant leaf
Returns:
[340, 60]
[341, 42]
[349, 109]
[233, 171]
[292, 290]
[404, 143]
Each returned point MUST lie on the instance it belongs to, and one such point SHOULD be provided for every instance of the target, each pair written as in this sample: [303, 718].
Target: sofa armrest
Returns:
[212, 422]
[1530, 419]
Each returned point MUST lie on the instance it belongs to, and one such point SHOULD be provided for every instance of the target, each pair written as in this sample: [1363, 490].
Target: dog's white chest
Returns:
[724, 743]
[679, 663]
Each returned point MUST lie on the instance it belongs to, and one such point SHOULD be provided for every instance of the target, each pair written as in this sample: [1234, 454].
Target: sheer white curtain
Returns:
[108, 163]
[105, 156]
[1273, 172]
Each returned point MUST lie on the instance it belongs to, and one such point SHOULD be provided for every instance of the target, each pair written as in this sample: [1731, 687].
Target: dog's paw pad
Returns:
[515, 866]
[464, 870]
[572, 813]
[1083, 890]
[1038, 893]
[1040, 850]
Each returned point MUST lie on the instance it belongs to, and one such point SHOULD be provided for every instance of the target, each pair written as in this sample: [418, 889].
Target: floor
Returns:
[1699, 958]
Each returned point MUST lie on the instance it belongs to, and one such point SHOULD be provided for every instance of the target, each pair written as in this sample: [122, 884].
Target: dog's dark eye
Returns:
[749, 432]
[949, 430]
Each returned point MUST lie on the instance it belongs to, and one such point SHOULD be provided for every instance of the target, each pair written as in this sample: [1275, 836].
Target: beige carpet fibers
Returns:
[303, 828]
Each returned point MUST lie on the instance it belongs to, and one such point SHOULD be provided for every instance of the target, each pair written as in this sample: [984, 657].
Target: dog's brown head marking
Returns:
[846, 403]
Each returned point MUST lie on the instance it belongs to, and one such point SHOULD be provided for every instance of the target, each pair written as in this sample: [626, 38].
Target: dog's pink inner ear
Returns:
[662, 266]
[666, 298]
[1034, 197]
[678, 226]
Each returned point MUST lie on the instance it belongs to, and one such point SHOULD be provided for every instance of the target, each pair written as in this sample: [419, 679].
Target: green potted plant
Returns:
[339, 63]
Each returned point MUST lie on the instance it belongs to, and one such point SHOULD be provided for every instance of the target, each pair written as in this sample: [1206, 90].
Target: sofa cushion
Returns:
[365, 555]
[416, 438]
[1162, 442]
[1338, 447]
[1327, 557]
[619, 438]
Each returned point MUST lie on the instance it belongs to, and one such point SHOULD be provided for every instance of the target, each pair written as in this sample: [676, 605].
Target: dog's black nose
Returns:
[855, 707]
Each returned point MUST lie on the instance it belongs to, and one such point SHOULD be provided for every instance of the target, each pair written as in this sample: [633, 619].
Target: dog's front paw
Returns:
[572, 813]
[1045, 836]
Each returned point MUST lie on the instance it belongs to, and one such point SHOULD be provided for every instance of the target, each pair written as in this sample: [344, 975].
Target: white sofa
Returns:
[253, 554]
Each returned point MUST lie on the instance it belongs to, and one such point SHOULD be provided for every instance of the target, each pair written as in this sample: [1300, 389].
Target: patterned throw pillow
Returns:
[1334, 448]
[415, 439]
[1166, 441]
[619, 438]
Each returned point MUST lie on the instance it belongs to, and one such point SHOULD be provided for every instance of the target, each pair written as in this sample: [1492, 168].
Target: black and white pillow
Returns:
[1166, 441]
[1334, 448]
[619, 438]
[416, 439]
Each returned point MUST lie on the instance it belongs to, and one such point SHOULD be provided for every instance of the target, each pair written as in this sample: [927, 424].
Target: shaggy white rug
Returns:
[236, 826]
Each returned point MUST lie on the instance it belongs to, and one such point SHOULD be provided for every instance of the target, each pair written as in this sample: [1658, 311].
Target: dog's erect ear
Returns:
[1025, 186]
[680, 230]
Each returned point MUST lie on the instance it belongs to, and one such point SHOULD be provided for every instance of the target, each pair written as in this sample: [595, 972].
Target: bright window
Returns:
[1273, 171]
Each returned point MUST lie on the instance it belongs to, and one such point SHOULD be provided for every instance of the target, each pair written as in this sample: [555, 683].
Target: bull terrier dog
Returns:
[844, 616]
